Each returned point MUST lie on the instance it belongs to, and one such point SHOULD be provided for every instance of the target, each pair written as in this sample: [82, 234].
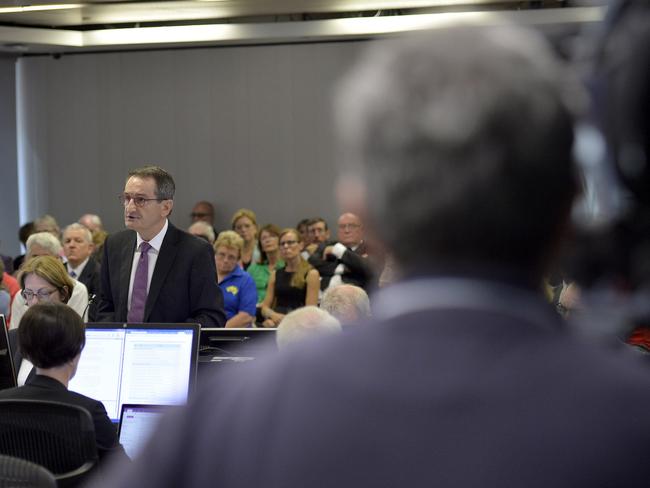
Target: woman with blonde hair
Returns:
[45, 279]
[237, 286]
[292, 286]
[244, 222]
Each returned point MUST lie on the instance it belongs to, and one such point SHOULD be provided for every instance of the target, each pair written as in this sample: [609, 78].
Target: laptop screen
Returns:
[153, 364]
[7, 372]
[137, 423]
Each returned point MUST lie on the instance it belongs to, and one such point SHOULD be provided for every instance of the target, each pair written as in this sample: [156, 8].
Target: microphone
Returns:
[91, 300]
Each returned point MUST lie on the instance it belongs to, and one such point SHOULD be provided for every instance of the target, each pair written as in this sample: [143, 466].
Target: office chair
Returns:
[58, 436]
[18, 473]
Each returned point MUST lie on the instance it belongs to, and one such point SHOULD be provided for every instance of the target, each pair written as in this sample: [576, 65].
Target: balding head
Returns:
[304, 323]
[347, 303]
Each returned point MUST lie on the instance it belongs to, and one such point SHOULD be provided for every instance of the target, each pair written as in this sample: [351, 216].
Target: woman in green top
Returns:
[269, 260]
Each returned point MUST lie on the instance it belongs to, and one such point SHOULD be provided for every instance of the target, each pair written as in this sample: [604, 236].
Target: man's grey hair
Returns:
[165, 186]
[203, 229]
[45, 240]
[304, 323]
[88, 236]
[461, 140]
[347, 303]
[47, 223]
[92, 219]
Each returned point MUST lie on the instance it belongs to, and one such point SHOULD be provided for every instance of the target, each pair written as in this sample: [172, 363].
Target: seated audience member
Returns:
[348, 303]
[304, 323]
[203, 230]
[244, 222]
[10, 285]
[347, 260]
[291, 287]
[5, 301]
[269, 259]
[24, 232]
[43, 244]
[52, 336]
[94, 224]
[203, 212]
[47, 223]
[303, 228]
[237, 286]
[78, 247]
[319, 235]
[45, 279]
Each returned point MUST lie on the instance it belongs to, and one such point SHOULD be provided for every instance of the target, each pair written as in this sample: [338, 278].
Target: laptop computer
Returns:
[7, 370]
[137, 424]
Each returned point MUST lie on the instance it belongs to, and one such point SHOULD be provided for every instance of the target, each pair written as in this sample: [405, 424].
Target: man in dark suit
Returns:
[78, 248]
[154, 272]
[460, 159]
[348, 259]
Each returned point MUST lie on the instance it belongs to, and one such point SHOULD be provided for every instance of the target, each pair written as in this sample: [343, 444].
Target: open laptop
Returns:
[137, 423]
[7, 370]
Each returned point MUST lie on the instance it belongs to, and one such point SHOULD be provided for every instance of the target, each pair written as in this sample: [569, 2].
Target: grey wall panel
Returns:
[9, 223]
[239, 126]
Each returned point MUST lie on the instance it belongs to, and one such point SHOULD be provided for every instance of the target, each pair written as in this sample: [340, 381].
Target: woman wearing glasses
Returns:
[244, 222]
[293, 286]
[44, 279]
[237, 286]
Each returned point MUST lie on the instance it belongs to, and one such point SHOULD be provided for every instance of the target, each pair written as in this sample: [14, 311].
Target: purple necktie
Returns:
[139, 292]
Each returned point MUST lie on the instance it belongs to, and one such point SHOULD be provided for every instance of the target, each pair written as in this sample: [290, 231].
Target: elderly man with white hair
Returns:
[78, 247]
[45, 244]
[203, 230]
[348, 303]
[304, 323]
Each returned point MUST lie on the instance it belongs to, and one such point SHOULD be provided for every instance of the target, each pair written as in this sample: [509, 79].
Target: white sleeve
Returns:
[18, 308]
[79, 300]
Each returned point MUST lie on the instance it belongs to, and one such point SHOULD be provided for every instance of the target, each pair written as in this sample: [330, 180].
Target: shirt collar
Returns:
[157, 241]
[444, 293]
[79, 269]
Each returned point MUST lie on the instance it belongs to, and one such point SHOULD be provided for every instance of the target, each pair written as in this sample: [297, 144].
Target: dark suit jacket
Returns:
[91, 277]
[183, 287]
[45, 388]
[443, 397]
[359, 270]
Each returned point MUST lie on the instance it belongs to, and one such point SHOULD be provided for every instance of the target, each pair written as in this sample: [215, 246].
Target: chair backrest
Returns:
[16, 473]
[58, 436]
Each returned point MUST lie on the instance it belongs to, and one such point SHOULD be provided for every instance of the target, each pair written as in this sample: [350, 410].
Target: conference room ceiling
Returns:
[53, 26]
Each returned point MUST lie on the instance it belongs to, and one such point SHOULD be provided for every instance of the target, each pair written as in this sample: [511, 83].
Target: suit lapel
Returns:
[126, 261]
[163, 266]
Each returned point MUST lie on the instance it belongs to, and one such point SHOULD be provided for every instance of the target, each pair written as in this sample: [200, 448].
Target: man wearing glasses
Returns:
[345, 261]
[157, 273]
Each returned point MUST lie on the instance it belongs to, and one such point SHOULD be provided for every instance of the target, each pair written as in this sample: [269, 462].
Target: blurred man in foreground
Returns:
[458, 150]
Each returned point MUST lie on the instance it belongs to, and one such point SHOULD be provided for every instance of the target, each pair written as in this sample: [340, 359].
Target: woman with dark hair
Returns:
[293, 286]
[51, 336]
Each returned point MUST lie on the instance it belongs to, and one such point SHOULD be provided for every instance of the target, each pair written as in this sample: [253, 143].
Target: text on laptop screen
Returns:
[136, 365]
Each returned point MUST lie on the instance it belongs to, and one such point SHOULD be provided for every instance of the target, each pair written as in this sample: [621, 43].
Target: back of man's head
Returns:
[461, 143]
[304, 323]
[347, 303]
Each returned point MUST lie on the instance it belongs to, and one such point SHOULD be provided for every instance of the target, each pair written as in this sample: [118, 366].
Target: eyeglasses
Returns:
[349, 226]
[227, 257]
[42, 294]
[125, 199]
[288, 243]
[198, 215]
